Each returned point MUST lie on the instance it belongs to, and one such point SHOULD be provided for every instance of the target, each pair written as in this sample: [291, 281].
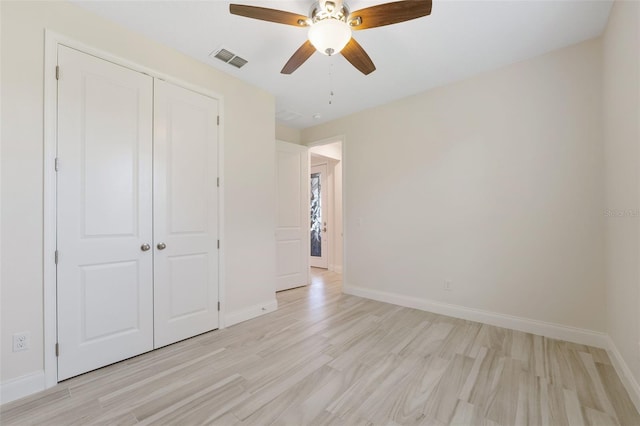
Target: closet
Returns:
[137, 213]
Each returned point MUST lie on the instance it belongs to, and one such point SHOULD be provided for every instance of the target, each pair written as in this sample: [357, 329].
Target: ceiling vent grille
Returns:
[285, 115]
[229, 57]
[237, 62]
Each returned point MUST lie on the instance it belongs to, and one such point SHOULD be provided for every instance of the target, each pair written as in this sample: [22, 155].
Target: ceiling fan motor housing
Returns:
[329, 9]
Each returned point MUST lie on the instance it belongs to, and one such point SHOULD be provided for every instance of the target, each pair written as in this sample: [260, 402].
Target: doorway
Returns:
[326, 206]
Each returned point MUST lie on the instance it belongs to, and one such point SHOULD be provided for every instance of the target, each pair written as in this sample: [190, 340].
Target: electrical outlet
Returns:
[447, 285]
[21, 342]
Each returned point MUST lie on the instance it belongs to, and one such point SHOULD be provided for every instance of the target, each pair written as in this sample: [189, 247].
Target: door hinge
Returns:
[57, 72]
[55, 256]
[218, 243]
[218, 119]
[218, 306]
[218, 182]
[56, 164]
[57, 349]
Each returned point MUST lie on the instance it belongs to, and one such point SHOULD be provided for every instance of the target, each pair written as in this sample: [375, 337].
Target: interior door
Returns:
[185, 213]
[292, 261]
[104, 275]
[318, 214]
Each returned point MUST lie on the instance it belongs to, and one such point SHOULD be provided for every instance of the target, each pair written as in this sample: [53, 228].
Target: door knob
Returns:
[145, 247]
[324, 229]
[161, 246]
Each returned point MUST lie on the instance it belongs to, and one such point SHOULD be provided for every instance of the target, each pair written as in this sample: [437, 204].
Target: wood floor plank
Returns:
[407, 403]
[194, 406]
[272, 390]
[625, 411]
[468, 414]
[292, 406]
[327, 358]
[573, 409]
[443, 401]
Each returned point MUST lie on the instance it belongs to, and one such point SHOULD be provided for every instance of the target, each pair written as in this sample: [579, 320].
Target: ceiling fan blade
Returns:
[388, 13]
[271, 15]
[302, 54]
[355, 54]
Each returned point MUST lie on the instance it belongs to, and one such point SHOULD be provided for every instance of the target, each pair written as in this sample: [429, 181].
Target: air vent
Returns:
[229, 57]
[284, 115]
[237, 62]
[224, 55]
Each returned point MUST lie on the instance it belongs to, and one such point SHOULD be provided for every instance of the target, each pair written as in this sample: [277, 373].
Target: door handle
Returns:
[324, 229]
[161, 246]
[145, 247]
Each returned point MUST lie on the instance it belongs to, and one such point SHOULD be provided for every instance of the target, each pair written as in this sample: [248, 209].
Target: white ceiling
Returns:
[458, 40]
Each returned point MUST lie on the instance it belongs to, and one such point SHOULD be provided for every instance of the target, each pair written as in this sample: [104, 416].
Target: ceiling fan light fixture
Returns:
[329, 36]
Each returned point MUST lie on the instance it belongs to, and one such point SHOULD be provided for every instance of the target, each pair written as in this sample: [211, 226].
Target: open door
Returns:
[292, 227]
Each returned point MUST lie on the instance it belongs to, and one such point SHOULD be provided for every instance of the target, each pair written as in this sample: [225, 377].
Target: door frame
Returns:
[50, 314]
[343, 164]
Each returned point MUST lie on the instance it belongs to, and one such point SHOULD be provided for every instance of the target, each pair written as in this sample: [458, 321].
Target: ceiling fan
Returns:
[330, 24]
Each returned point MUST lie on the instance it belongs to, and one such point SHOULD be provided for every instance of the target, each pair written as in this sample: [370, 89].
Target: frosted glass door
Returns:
[318, 218]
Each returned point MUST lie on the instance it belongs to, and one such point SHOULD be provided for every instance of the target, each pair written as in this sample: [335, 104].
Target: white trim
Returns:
[222, 277]
[57, 38]
[50, 313]
[327, 141]
[22, 386]
[52, 40]
[547, 329]
[250, 312]
[624, 372]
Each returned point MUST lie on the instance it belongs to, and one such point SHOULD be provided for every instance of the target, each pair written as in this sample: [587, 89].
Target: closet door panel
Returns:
[104, 213]
[185, 213]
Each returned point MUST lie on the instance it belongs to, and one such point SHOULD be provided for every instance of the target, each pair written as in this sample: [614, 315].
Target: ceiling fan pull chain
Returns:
[331, 83]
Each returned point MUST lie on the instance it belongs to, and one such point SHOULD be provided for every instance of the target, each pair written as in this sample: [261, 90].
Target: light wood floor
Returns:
[329, 358]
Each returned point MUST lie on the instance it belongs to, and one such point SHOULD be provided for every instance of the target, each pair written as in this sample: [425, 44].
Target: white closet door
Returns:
[185, 213]
[292, 227]
[105, 288]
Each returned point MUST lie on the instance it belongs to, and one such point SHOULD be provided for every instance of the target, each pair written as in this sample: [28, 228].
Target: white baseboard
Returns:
[251, 312]
[22, 386]
[624, 372]
[547, 329]
[336, 268]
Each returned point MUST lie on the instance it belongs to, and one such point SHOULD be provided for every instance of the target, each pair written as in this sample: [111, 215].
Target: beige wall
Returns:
[494, 183]
[248, 181]
[621, 49]
[288, 134]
